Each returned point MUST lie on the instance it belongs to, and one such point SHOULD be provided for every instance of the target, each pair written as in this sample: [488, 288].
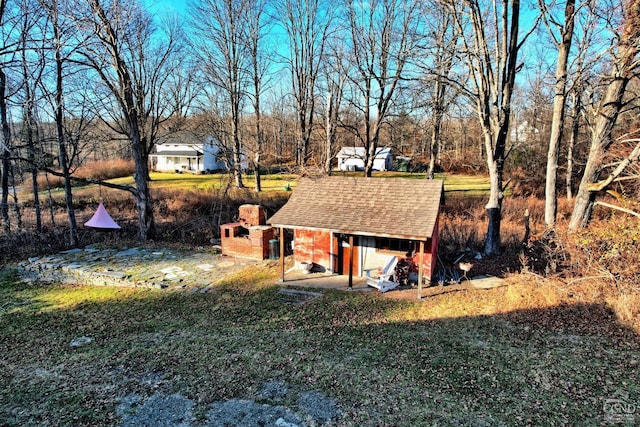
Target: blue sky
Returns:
[159, 6]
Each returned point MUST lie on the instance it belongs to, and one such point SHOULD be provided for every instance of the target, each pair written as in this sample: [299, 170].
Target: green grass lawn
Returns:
[454, 184]
[277, 182]
[274, 182]
[450, 361]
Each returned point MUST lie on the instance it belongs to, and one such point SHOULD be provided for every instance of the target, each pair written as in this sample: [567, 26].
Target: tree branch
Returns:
[633, 156]
[618, 208]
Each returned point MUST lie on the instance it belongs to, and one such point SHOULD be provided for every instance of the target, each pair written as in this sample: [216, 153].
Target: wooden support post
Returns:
[350, 262]
[420, 268]
[282, 253]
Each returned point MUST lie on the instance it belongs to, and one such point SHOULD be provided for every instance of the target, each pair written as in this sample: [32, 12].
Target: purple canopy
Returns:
[101, 219]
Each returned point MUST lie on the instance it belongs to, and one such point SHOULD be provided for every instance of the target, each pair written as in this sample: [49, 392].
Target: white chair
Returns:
[386, 280]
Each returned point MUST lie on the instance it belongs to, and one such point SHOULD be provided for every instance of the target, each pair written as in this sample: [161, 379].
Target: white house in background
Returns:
[181, 156]
[352, 159]
[524, 132]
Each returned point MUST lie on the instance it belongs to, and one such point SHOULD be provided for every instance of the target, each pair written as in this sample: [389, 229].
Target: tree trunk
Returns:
[258, 153]
[492, 245]
[36, 197]
[144, 203]
[259, 142]
[124, 91]
[600, 142]
[434, 145]
[237, 158]
[6, 137]
[328, 146]
[62, 146]
[623, 70]
[557, 122]
[575, 129]
[438, 114]
[16, 205]
[52, 216]
[370, 157]
[569, 173]
[256, 172]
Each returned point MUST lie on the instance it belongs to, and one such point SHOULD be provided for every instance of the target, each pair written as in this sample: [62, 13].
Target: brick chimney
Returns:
[251, 215]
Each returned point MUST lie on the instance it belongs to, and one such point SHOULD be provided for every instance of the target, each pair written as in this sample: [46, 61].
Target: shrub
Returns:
[609, 247]
[47, 181]
[100, 170]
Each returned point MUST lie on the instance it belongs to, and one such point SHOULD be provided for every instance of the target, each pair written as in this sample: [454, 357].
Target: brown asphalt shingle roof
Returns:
[389, 207]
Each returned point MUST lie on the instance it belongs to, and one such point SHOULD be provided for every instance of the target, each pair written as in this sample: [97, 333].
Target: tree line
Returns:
[494, 84]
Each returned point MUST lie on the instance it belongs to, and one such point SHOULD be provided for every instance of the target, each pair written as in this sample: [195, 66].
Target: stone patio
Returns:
[137, 267]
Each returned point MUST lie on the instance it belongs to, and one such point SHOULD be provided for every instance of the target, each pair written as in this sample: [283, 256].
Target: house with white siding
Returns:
[352, 159]
[189, 156]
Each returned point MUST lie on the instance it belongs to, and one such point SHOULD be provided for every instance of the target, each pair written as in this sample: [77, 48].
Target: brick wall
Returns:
[243, 242]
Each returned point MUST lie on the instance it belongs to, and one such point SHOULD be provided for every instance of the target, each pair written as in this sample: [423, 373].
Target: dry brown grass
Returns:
[596, 265]
[106, 169]
[100, 169]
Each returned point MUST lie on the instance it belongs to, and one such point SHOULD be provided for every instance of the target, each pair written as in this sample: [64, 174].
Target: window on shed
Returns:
[394, 245]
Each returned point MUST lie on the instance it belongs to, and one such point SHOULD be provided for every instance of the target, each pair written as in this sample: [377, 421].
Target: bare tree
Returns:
[31, 77]
[491, 49]
[383, 37]
[588, 53]
[60, 60]
[335, 88]
[333, 84]
[563, 41]
[624, 67]
[6, 153]
[161, 81]
[307, 24]
[257, 26]
[118, 29]
[444, 36]
[223, 52]
[8, 49]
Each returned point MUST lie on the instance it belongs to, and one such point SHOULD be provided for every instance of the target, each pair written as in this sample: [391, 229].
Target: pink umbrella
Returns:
[102, 220]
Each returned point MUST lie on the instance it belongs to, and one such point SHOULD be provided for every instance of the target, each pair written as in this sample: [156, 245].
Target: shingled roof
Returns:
[382, 207]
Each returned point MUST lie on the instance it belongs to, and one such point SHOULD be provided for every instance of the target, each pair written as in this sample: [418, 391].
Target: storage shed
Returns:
[348, 224]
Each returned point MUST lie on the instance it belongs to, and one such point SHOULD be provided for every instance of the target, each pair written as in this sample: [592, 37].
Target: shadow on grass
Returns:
[386, 362]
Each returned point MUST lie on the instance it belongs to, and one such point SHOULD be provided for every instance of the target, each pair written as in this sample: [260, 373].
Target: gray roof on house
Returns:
[383, 207]
[359, 152]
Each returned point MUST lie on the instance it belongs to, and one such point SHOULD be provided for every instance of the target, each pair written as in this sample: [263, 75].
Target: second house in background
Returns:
[352, 159]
